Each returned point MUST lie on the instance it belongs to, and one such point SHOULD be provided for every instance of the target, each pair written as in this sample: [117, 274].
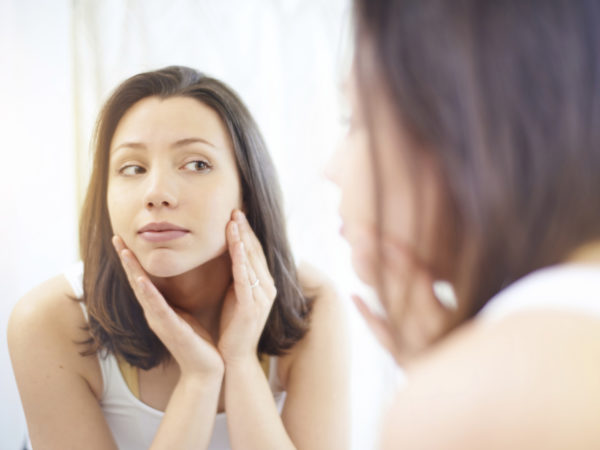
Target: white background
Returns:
[60, 59]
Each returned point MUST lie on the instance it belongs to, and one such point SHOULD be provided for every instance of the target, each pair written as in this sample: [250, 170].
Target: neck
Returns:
[586, 254]
[200, 291]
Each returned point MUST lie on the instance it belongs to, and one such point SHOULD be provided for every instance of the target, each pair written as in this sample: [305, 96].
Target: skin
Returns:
[402, 271]
[486, 385]
[197, 295]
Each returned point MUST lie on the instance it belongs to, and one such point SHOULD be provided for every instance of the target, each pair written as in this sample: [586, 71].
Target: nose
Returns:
[161, 191]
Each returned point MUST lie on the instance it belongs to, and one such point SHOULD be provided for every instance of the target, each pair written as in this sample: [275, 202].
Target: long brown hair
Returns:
[116, 321]
[504, 95]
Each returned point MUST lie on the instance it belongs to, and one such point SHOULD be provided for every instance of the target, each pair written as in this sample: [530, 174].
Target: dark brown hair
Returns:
[504, 95]
[116, 321]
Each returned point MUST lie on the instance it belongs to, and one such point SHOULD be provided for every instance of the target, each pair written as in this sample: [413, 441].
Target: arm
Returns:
[528, 381]
[190, 415]
[252, 416]
[316, 411]
[56, 385]
[317, 378]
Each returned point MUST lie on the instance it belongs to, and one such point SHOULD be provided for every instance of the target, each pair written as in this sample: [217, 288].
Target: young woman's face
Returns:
[172, 184]
[407, 194]
[351, 168]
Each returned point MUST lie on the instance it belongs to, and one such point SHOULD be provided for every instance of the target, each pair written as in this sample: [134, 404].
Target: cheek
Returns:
[218, 201]
[355, 178]
[117, 208]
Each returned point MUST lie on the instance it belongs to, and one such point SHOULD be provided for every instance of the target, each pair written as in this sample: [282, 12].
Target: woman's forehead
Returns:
[172, 121]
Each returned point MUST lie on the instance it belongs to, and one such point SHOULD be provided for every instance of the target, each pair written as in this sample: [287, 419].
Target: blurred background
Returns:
[60, 60]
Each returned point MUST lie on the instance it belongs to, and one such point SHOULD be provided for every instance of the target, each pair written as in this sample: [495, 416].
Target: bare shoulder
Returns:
[48, 323]
[317, 286]
[317, 377]
[327, 324]
[59, 388]
[49, 307]
[328, 313]
[504, 384]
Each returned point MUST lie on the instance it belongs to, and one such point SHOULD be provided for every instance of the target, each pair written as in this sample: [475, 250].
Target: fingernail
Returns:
[239, 216]
[118, 243]
[125, 257]
[234, 229]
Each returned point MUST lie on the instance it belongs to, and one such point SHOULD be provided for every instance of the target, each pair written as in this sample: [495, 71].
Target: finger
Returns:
[127, 259]
[239, 269]
[248, 236]
[118, 243]
[378, 325]
[149, 297]
[257, 270]
[236, 238]
[176, 329]
[255, 255]
[252, 276]
[138, 281]
[132, 268]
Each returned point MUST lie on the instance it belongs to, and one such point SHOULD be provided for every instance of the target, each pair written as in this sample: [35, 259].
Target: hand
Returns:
[189, 343]
[250, 297]
[379, 325]
[414, 317]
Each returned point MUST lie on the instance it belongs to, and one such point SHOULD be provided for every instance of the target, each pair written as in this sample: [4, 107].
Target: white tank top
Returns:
[571, 288]
[132, 422]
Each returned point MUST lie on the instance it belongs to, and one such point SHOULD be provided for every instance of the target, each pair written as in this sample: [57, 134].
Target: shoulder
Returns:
[321, 289]
[46, 307]
[328, 314]
[502, 384]
[47, 324]
[49, 308]
[317, 381]
[327, 325]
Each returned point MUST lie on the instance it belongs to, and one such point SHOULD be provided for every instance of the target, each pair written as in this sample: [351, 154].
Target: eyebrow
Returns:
[176, 144]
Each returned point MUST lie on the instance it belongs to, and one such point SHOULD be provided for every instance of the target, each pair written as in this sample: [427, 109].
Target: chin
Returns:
[164, 267]
[167, 263]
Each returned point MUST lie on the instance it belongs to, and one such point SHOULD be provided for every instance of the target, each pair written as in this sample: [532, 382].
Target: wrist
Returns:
[195, 381]
[242, 363]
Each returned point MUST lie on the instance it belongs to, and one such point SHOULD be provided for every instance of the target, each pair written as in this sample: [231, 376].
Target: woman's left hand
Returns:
[250, 297]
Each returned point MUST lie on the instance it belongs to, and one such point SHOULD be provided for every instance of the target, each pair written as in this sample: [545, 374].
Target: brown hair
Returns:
[116, 321]
[504, 95]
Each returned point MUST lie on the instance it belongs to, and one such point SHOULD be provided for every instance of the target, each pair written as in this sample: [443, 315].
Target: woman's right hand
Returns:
[187, 341]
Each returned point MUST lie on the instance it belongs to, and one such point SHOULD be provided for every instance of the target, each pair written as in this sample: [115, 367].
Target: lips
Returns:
[161, 232]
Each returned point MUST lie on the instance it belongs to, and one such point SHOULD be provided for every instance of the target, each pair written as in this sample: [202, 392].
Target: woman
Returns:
[470, 198]
[195, 308]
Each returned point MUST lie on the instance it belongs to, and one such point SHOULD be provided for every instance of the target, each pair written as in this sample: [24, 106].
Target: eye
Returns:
[197, 166]
[131, 169]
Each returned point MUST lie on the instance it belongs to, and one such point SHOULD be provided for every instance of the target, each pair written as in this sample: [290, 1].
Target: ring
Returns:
[256, 283]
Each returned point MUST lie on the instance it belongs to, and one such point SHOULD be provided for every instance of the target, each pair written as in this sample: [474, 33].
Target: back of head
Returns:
[505, 96]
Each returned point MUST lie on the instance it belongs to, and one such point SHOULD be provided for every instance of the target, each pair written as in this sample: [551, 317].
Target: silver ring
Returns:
[256, 283]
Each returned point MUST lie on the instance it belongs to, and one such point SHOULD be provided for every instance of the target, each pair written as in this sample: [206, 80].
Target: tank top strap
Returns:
[74, 276]
[568, 287]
